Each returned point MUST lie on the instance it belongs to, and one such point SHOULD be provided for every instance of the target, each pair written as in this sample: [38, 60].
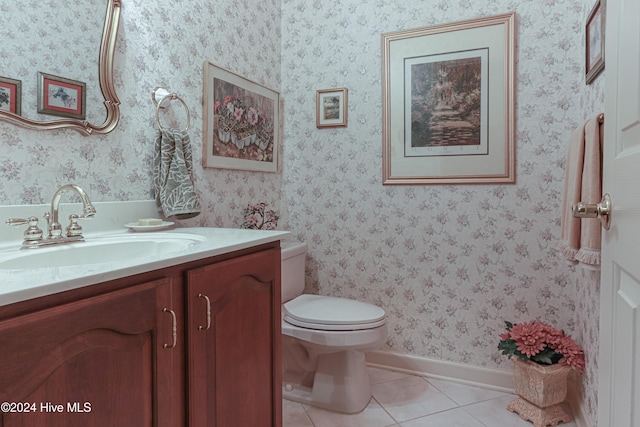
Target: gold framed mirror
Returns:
[104, 81]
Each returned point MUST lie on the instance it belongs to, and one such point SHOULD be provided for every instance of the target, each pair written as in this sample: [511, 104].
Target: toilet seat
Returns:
[332, 313]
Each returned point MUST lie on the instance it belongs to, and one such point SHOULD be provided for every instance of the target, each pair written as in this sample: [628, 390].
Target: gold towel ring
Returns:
[161, 96]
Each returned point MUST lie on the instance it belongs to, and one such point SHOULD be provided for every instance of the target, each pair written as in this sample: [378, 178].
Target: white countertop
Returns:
[21, 285]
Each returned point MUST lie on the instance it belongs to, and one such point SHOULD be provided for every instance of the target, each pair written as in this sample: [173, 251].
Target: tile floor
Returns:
[403, 400]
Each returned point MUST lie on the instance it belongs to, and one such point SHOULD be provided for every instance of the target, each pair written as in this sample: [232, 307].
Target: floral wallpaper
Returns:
[448, 263]
[45, 51]
[160, 43]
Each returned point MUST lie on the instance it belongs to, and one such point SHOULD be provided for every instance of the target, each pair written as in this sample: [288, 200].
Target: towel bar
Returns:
[159, 95]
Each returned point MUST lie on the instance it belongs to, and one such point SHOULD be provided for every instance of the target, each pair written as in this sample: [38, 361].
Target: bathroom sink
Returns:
[99, 250]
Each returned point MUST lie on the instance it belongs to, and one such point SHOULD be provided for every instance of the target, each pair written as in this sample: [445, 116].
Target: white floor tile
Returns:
[410, 397]
[403, 400]
[451, 418]
[294, 415]
[464, 394]
[377, 375]
[494, 413]
[372, 416]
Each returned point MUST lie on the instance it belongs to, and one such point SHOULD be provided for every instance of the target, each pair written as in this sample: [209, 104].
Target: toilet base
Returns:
[341, 383]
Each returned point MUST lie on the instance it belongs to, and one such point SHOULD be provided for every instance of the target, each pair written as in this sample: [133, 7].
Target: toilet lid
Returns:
[332, 314]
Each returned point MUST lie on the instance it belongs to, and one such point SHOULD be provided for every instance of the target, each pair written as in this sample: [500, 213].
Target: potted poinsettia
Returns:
[259, 217]
[543, 357]
[542, 344]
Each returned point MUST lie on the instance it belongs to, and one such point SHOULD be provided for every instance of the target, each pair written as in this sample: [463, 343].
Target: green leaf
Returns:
[509, 324]
[546, 357]
[541, 358]
[507, 345]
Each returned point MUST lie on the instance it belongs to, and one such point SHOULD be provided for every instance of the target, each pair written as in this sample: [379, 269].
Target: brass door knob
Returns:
[601, 211]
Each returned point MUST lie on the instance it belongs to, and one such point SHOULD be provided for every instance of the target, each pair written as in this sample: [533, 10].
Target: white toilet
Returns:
[324, 340]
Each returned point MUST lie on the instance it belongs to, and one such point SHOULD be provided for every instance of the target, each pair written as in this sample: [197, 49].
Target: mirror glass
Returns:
[57, 67]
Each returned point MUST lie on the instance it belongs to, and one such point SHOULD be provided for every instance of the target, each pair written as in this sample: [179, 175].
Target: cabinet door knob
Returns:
[174, 328]
[206, 298]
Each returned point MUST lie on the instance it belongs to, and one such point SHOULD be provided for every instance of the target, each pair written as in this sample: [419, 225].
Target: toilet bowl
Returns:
[324, 340]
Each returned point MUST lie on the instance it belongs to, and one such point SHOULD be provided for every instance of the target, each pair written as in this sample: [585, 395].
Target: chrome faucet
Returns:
[88, 212]
[33, 236]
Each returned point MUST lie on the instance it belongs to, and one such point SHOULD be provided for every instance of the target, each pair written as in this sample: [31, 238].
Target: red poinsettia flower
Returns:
[541, 343]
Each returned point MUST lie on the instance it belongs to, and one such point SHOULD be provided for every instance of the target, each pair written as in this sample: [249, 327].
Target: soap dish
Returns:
[137, 227]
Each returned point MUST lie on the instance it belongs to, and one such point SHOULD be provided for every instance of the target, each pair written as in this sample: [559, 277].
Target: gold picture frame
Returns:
[10, 95]
[594, 42]
[331, 108]
[448, 103]
[241, 122]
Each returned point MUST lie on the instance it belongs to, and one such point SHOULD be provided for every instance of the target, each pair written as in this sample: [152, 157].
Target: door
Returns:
[619, 365]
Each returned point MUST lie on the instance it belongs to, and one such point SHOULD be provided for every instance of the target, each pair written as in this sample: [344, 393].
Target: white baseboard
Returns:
[492, 379]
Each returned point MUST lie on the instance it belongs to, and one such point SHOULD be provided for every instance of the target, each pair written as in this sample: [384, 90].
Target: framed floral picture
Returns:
[59, 96]
[594, 42]
[331, 108]
[11, 95]
[241, 122]
[448, 103]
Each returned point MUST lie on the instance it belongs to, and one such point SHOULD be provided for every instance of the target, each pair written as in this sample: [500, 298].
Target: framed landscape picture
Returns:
[448, 103]
[331, 108]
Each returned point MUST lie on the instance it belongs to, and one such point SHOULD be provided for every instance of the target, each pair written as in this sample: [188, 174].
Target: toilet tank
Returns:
[293, 255]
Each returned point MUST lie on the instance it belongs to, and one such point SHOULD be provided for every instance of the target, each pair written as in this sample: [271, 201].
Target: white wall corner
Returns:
[576, 401]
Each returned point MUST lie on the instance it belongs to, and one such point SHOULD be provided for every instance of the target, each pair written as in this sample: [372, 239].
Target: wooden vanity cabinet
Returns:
[193, 345]
[233, 334]
[97, 362]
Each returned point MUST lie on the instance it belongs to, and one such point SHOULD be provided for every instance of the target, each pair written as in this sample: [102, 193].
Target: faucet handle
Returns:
[20, 221]
[32, 233]
[74, 229]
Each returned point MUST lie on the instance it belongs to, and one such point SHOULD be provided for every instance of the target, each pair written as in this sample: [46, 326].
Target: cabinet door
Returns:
[95, 362]
[233, 335]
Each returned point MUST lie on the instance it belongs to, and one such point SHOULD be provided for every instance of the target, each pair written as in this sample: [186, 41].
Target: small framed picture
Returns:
[58, 96]
[10, 95]
[331, 108]
[594, 42]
